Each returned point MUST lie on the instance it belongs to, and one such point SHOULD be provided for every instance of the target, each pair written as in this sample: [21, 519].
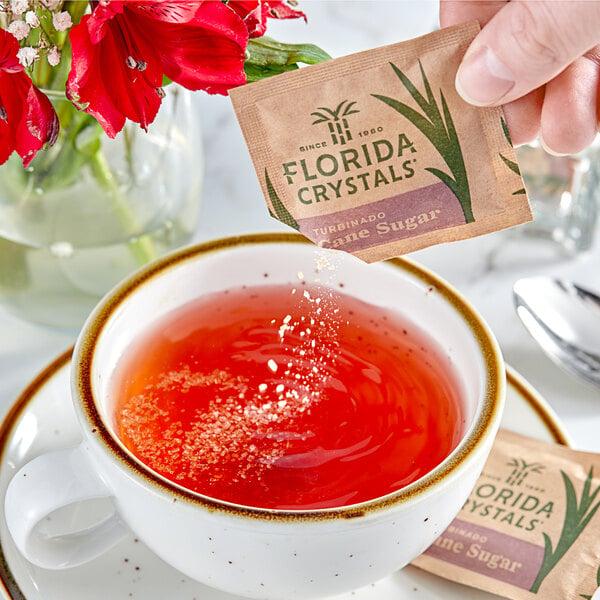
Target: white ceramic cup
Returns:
[250, 551]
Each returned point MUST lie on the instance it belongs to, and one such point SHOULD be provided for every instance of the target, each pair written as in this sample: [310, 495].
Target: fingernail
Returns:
[549, 150]
[482, 79]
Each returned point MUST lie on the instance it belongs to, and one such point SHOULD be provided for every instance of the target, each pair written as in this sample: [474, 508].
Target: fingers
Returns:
[453, 12]
[523, 46]
[569, 114]
[523, 117]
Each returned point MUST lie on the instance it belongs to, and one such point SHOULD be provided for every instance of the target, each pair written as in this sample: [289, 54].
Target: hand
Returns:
[538, 58]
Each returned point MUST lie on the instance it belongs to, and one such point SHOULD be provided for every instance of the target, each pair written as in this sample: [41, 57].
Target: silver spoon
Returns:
[564, 319]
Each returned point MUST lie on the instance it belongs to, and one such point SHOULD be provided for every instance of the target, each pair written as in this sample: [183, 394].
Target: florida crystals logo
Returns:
[521, 470]
[336, 120]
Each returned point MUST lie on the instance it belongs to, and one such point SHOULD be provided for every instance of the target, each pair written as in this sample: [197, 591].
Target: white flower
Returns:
[19, 29]
[53, 56]
[27, 55]
[62, 21]
[32, 19]
[52, 4]
[18, 7]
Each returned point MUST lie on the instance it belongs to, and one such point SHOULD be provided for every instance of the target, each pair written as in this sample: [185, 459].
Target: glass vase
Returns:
[90, 210]
[564, 192]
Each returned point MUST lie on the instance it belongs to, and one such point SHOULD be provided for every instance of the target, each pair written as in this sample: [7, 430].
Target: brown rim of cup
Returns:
[84, 355]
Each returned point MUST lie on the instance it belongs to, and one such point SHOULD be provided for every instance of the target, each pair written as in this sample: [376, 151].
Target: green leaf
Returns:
[547, 565]
[320, 116]
[281, 212]
[444, 177]
[333, 113]
[587, 485]
[258, 73]
[266, 57]
[587, 499]
[577, 517]
[513, 166]
[455, 160]
[348, 110]
[414, 92]
[450, 129]
[434, 111]
[441, 134]
[265, 51]
[572, 507]
[418, 120]
[430, 96]
[584, 523]
[505, 129]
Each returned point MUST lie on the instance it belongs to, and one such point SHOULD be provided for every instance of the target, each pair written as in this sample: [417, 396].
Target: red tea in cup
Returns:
[287, 397]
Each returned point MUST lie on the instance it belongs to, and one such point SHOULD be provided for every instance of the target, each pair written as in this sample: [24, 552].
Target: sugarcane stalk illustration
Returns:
[437, 125]
[336, 120]
[578, 513]
[521, 470]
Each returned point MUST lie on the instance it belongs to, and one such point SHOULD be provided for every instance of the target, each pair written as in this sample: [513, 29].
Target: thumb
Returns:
[525, 45]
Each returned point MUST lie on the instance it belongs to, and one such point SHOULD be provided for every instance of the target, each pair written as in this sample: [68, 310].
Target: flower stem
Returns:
[76, 8]
[141, 247]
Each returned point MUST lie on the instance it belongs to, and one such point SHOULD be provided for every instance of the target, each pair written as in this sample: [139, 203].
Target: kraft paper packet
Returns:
[376, 154]
[530, 528]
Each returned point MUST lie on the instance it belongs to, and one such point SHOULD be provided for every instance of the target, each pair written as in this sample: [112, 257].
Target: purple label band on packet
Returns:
[489, 552]
[529, 529]
[423, 210]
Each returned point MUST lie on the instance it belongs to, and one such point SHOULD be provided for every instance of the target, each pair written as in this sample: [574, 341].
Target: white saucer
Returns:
[43, 418]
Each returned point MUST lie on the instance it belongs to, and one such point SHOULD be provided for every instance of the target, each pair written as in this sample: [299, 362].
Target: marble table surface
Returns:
[483, 269]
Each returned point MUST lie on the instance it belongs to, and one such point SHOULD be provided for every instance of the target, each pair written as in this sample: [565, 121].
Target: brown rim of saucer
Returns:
[8, 584]
[84, 356]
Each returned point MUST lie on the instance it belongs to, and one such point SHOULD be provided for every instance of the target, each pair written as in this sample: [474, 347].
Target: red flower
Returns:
[122, 50]
[255, 13]
[27, 118]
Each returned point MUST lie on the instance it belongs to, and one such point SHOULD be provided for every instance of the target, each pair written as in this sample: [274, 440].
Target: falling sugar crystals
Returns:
[301, 378]
[289, 389]
[287, 396]
[306, 367]
[247, 424]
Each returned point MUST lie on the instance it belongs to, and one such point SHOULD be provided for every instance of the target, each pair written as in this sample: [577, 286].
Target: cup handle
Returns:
[55, 480]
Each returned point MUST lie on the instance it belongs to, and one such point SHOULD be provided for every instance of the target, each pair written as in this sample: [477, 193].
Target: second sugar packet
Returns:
[376, 154]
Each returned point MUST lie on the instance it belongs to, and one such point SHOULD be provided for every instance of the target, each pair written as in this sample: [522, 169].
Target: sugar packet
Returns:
[376, 154]
[531, 526]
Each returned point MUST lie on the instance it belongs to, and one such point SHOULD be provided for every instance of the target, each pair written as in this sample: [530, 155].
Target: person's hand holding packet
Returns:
[541, 60]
